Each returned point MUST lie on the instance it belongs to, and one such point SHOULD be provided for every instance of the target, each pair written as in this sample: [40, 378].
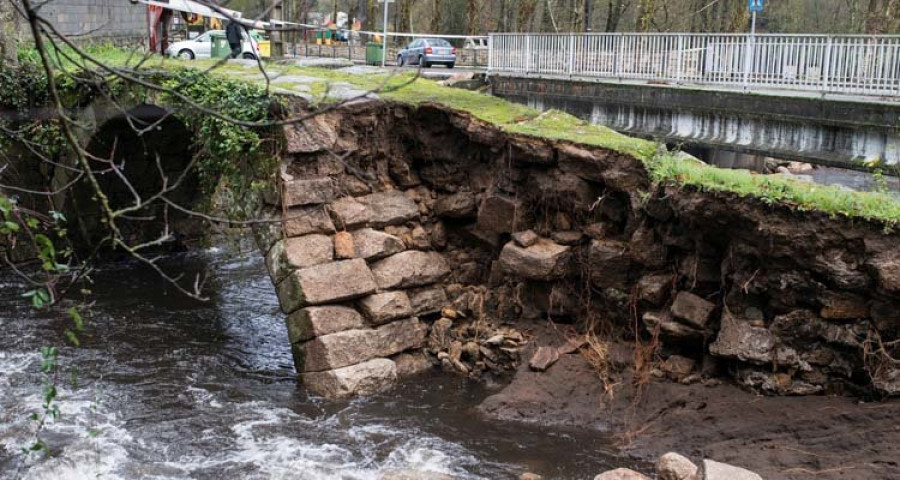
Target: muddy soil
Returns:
[811, 437]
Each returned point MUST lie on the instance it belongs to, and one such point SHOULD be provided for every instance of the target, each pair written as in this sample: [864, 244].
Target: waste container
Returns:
[219, 47]
[265, 48]
[373, 53]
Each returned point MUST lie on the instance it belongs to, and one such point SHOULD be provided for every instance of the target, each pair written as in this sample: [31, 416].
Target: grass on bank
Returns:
[516, 118]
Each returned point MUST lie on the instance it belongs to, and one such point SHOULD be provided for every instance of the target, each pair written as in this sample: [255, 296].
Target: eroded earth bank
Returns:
[716, 326]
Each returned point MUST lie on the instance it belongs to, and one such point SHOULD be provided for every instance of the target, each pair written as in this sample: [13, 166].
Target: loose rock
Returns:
[544, 260]
[692, 309]
[621, 474]
[722, 471]
[673, 466]
[543, 359]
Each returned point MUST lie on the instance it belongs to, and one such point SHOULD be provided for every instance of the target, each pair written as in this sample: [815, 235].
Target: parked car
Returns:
[201, 46]
[426, 52]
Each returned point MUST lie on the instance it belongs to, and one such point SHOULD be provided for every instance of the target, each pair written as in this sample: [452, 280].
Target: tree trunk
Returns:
[437, 14]
[616, 10]
[588, 15]
[472, 19]
[9, 33]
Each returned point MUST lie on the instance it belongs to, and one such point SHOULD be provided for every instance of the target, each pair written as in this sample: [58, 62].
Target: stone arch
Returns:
[150, 148]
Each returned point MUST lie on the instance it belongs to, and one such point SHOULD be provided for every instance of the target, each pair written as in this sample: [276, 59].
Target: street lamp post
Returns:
[384, 42]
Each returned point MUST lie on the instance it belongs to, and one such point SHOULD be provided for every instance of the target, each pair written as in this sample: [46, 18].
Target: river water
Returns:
[172, 388]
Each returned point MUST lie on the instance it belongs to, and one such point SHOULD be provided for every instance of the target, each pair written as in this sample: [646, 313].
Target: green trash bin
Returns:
[219, 47]
[373, 53]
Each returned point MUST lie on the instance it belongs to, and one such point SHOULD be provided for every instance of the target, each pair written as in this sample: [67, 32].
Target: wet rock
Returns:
[678, 368]
[384, 307]
[804, 324]
[669, 328]
[622, 474]
[311, 322]
[692, 309]
[366, 378]
[722, 471]
[411, 363]
[328, 283]
[645, 249]
[458, 205]
[655, 288]
[543, 359]
[313, 135]
[351, 347]
[887, 270]
[410, 269]
[343, 245]
[269, 231]
[842, 268]
[499, 214]
[375, 210]
[700, 269]
[439, 338]
[545, 260]
[525, 239]
[673, 466]
[306, 220]
[844, 306]
[308, 192]
[373, 245]
[568, 237]
[610, 267]
[427, 300]
[738, 339]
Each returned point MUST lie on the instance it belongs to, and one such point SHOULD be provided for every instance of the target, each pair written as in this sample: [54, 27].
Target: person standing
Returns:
[233, 35]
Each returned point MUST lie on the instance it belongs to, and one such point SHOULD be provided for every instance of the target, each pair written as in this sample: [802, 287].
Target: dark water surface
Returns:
[179, 389]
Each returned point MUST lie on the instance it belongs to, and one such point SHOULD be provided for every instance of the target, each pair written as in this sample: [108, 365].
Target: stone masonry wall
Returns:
[113, 19]
[388, 214]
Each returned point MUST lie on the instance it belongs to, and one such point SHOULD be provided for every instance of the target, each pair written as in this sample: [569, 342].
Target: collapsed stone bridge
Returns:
[389, 220]
[389, 214]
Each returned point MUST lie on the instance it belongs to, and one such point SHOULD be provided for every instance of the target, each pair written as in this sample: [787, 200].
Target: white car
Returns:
[201, 46]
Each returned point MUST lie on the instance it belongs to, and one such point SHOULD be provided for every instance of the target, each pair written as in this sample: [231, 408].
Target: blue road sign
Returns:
[756, 5]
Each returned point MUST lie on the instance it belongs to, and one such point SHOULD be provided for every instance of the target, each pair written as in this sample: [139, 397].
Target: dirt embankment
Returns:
[704, 287]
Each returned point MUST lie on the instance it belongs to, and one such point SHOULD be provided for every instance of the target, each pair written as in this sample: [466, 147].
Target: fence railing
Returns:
[846, 64]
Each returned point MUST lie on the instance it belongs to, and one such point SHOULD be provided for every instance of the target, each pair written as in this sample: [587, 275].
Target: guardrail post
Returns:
[490, 52]
[680, 58]
[826, 64]
[570, 66]
[529, 55]
[748, 61]
[620, 49]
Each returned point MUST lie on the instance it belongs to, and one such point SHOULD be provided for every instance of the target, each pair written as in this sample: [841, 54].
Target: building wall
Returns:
[114, 19]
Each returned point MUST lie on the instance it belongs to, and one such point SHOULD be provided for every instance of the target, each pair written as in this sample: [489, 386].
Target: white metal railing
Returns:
[846, 64]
